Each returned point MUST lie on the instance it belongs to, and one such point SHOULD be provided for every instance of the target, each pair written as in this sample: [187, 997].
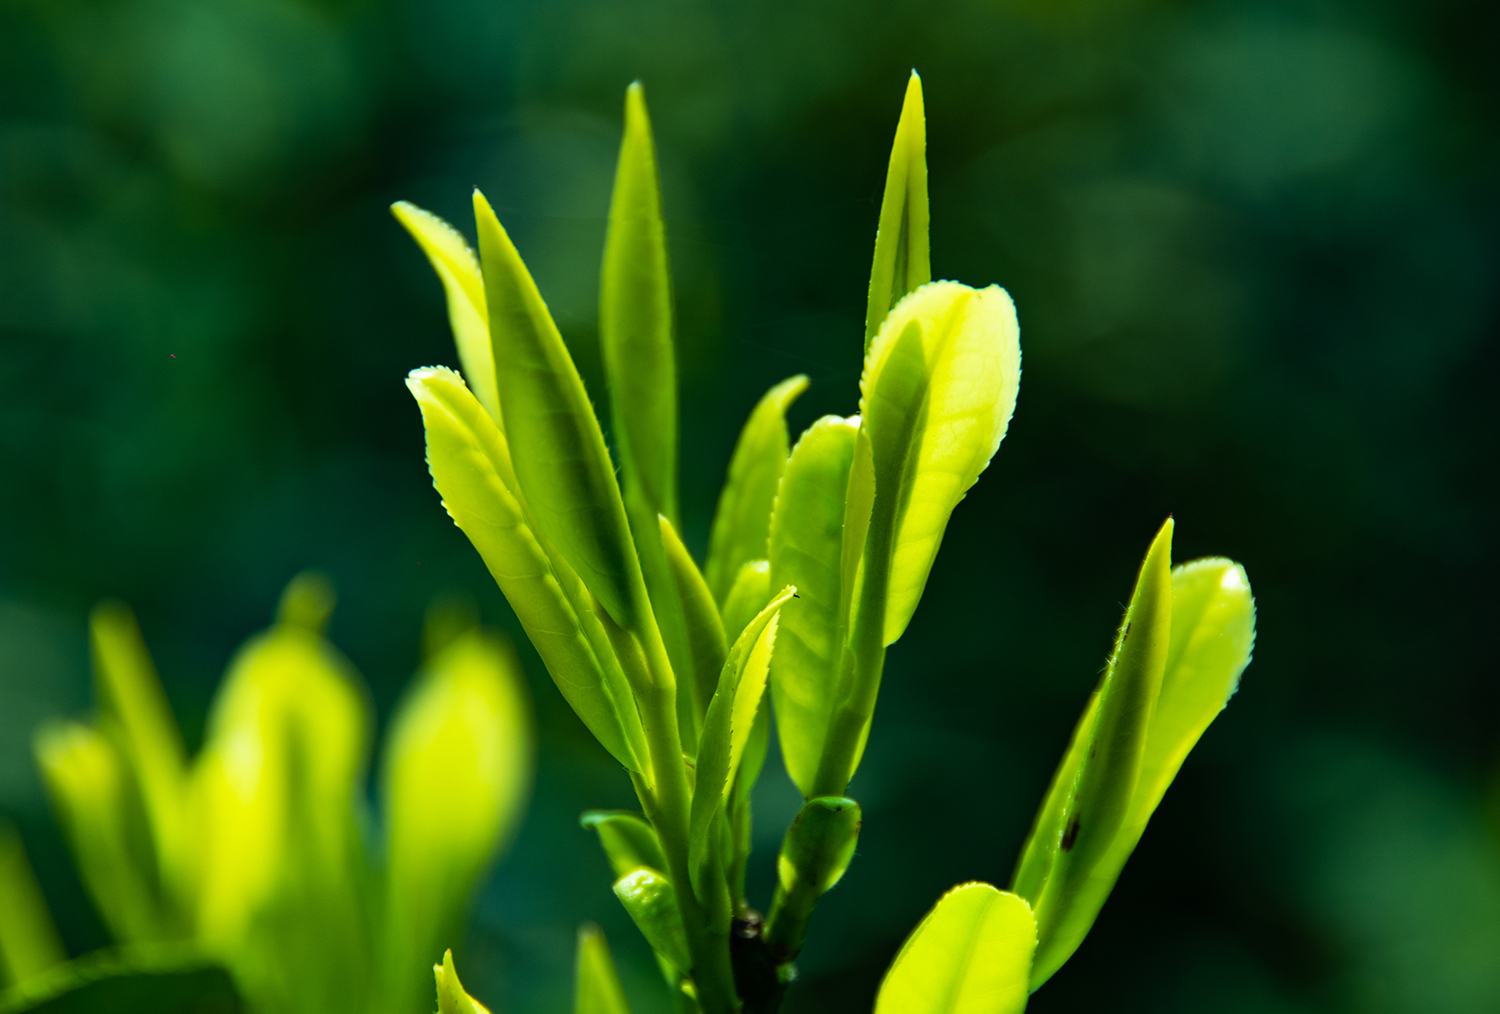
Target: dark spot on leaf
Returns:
[1070, 836]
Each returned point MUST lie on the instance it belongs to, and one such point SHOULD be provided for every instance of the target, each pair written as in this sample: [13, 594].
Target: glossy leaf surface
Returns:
[597, 987]
[472, 470]
[902, 262]
[938, 391]
[806, 551]
[742, 522]
[651, 901]
[456, 779]
[457, 268]
[566, 478]
[970, 955]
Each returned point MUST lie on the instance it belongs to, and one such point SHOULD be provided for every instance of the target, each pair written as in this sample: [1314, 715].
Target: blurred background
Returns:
[1254, 249]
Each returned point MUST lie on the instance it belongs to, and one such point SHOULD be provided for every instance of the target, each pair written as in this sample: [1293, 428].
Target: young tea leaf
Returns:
[742, 522]
[806, 551]
[564, 471]
[815, 853]
[471, 468]
[938, 389]
[970, 955]
[901, 263]
[458, 269]
[652, 904]
[457, 775]
[628, 839]
[596, 983]
[707, 646]
[747, 596]
[451, 997]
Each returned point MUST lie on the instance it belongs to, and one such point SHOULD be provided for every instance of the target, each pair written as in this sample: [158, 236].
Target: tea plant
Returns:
[254, 853]
[817, 560]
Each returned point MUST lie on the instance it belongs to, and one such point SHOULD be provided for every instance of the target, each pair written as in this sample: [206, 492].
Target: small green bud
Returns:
[652, 903]
[814, 855]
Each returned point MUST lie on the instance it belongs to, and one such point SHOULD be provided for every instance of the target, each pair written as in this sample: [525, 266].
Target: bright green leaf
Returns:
[939, 388]
[472, 470]
[815, 853]
[596, 983]
[29, 944]
[707, 646]
[806, 551]
[650, 900]
[628, 839]
[566, 479]
[970, 955]
[458, 269]
[92, 796]
[1037, 856]
[1107, 774]
[902, 262]
[747, 596]
[456, 779]
[742, 522]
[451, 997]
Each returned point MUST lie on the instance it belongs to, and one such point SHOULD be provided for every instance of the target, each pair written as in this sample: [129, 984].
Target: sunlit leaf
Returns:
[95, 801]
[938, 390]
[596, 983]
[135, 710]
[728, 725]
[451, 997]
[471, 468]
[1040, 850]
[1212, 634]
[29, 944]
[747, 596]
[742, 522]
[565, 475]
[651, 901]
[171, 980]
[1107, 773]
[458, 269]
[970, 955]
[457, 776]
[806, 551]
[628, 839]
[814, 855]
[901, 261]
[707, 646]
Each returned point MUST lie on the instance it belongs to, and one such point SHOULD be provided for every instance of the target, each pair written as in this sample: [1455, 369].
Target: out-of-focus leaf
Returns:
[727, 727]
[596, 984]
[1212, 634]
[814, 855]
[1109, 770]
[901, 263]
[458, 269]
[100, 812]
[457, 776]
[747, 596]
[806, 551]
[451, 997]
[628, 839]
[742, 522]
[970, 955]
[284, 751]
[29, 944]
[307, 602]
[706, 643]
[650, 900]
[566, 478]
[158, 980]
[938, 391]
[135, 709]
[471, 468]
[635, 321]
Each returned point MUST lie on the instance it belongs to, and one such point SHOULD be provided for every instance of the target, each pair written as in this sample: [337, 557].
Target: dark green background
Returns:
[1254, 251]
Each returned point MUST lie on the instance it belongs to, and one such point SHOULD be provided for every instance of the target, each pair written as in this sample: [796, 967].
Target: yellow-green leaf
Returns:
[451, 997]
[939, 388]
[970, 955]
[651, 901]
[706, 643]
[806, 551]
[596, 983]
[564, 471]
[472, 470]
[628, 839]
[815, 853]
[457, 776]
[902, 262]
[742, 522]
[29, 944]
[747, 596]
[458, 269]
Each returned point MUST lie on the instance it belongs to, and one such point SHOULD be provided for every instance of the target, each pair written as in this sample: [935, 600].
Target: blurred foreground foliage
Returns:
[1255, 246]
